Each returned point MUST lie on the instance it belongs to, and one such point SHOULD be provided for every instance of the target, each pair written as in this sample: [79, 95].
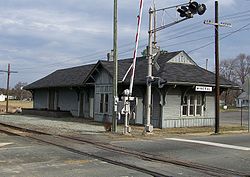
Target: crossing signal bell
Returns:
[183, 10]
[191, 9]
[201, 9]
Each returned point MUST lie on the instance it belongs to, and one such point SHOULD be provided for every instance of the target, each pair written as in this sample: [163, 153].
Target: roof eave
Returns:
[49, 87]
[203, 84]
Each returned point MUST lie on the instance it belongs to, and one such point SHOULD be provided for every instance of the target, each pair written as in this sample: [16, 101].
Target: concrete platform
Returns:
[46, 113]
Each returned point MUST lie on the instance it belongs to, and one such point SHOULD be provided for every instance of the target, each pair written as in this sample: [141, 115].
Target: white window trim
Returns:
[202, 106]
[105, 109]
[195, 107]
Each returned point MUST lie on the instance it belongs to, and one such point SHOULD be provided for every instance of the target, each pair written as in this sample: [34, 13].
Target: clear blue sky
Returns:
[41, 36]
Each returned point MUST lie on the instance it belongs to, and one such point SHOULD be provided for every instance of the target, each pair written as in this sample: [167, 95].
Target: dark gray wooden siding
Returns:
[103, 85]
[40, 99]
[68, 100]
[156, 109]
[86, 104]
[65, 99]
[172, 111]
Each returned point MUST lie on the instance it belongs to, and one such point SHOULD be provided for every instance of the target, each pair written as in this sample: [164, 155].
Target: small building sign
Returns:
[203, 89]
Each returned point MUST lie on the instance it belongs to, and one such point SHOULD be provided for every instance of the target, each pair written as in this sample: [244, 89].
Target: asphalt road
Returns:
[234, 118]
[28, 158]
[224, 151]
[25, 157]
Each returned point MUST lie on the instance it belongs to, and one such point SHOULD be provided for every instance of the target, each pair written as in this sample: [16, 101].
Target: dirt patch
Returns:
[137, 132]
[2, 109]
[14, 105]
[11, 109]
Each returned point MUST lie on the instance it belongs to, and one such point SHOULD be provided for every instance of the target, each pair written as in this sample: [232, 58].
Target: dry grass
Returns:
[14, 104]
[137, 132]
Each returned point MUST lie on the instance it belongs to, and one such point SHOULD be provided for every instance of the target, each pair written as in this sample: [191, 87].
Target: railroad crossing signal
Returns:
[192, 8]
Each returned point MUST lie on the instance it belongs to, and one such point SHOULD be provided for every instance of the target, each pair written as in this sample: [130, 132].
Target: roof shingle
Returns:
[173, 73]
[63, 78]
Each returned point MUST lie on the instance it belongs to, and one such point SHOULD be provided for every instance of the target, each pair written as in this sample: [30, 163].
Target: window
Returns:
[192, 105]
[104, 103]
[185, 106]
[101, 103]
[199, 105]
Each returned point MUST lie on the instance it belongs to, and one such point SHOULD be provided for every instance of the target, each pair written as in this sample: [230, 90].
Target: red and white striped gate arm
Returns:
[139, 17]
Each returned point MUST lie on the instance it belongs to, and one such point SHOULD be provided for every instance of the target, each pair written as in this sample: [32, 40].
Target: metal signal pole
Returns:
[115, 73]
[186, 11]
[149, 127]
[154, 24]
[8, 85]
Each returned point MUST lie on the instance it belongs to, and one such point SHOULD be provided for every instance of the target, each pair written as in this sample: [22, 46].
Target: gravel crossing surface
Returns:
[58, 125]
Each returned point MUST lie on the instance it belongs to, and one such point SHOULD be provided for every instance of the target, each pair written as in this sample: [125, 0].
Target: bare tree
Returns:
[242, 67]
[227, 70]
[235, 70]
[20, 93]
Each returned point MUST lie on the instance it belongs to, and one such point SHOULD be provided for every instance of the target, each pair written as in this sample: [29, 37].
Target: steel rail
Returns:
[114, 162]
[152, 157]
[211, 170]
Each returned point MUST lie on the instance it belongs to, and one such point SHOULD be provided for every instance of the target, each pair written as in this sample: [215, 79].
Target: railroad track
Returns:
[59, 140]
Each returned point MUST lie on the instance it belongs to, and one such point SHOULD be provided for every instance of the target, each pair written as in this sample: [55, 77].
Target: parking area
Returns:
[234, 118]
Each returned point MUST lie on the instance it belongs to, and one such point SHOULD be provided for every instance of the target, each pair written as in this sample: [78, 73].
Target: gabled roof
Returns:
[172, 72]
[176, 73]
[123, 66]
[69, 77]
[243, 95]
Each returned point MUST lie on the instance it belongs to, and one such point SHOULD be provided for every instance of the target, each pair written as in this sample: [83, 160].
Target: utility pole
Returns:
[115, 73]
[216, 24]
[206, 64]
[8, 85]
[217, 71]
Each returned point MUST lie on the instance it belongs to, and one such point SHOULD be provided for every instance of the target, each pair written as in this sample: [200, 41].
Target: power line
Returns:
[198, 39]
[192, 26]
[86, 62]
[228, 16]
[234, 14]
[220, 39]
[67, 60]
[143, 46]
[193, 32]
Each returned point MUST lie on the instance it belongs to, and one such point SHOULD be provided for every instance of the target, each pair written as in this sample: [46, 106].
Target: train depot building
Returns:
[182, 94]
